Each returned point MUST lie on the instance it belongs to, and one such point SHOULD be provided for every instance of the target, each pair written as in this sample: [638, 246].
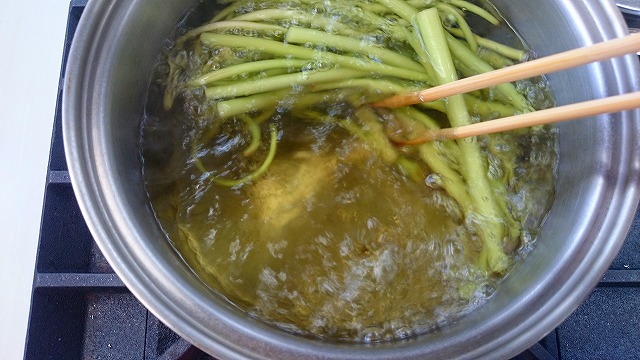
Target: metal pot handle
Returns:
[631, 11]
[631, 7]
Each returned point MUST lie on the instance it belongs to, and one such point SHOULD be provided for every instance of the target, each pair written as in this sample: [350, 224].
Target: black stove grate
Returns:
[81, 310]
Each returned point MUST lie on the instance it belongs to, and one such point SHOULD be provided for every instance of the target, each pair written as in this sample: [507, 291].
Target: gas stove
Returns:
[80, 309]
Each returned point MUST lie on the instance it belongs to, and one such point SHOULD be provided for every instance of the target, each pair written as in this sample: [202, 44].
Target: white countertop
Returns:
[31, 39]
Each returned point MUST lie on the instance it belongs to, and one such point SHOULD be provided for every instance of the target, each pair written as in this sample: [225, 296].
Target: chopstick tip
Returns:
[397, 101]
[429, 135]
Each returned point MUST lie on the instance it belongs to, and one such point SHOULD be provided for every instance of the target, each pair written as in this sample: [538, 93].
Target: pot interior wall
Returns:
[589, 163]
[587, 166]
[135, 54]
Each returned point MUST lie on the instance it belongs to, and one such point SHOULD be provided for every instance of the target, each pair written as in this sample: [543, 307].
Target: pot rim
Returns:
[182, 305]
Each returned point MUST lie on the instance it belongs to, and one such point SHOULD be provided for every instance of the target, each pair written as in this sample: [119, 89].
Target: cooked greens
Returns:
[272, 97]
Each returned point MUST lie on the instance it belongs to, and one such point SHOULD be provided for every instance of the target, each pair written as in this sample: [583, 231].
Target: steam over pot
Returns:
[107, 76]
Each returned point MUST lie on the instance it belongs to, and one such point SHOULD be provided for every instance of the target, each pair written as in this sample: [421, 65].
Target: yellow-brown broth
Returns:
[333, 241]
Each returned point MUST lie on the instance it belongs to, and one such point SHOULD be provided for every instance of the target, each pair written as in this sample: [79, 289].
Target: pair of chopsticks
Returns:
[546, 65]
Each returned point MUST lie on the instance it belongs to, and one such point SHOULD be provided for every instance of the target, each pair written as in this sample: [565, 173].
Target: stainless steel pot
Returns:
[107, 76]
[629, 6]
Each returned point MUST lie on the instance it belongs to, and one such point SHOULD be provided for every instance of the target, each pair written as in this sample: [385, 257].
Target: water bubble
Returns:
[181, 58]
[249, 33]
[496, 170]
[403, 332]
[493, 115]
[449, 21]
[502, 147]
[195, 62]
[375, 58]
[374, 38]
[372, 334]
[391, 20]
[534, 94]
[434, 181]
[268, 277]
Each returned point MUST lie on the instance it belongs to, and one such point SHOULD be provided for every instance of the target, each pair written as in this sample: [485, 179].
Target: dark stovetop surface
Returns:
[81, 310]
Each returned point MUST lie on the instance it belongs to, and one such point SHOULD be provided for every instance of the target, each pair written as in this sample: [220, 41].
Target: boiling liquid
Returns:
[332, 241]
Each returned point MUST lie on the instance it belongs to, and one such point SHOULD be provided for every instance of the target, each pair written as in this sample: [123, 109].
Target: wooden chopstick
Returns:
[565, 60]
[557, 114]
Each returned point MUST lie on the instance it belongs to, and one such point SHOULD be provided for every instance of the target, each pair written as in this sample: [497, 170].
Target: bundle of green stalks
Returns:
[257, 59]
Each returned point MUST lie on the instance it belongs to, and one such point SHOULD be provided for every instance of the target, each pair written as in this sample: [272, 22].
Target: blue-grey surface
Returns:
[606, 326]
[67, 239]
[115, 326]
[629, 256]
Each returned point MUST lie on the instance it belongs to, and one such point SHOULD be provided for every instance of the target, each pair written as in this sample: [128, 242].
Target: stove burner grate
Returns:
[81, 310]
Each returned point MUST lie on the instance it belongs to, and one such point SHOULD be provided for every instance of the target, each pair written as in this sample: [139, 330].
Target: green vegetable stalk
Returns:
[297, 57]
[273, 144]
[277, 82]
[297, 35]
[280, 49]
[488, 223]
[475, 64]
[245, 68]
